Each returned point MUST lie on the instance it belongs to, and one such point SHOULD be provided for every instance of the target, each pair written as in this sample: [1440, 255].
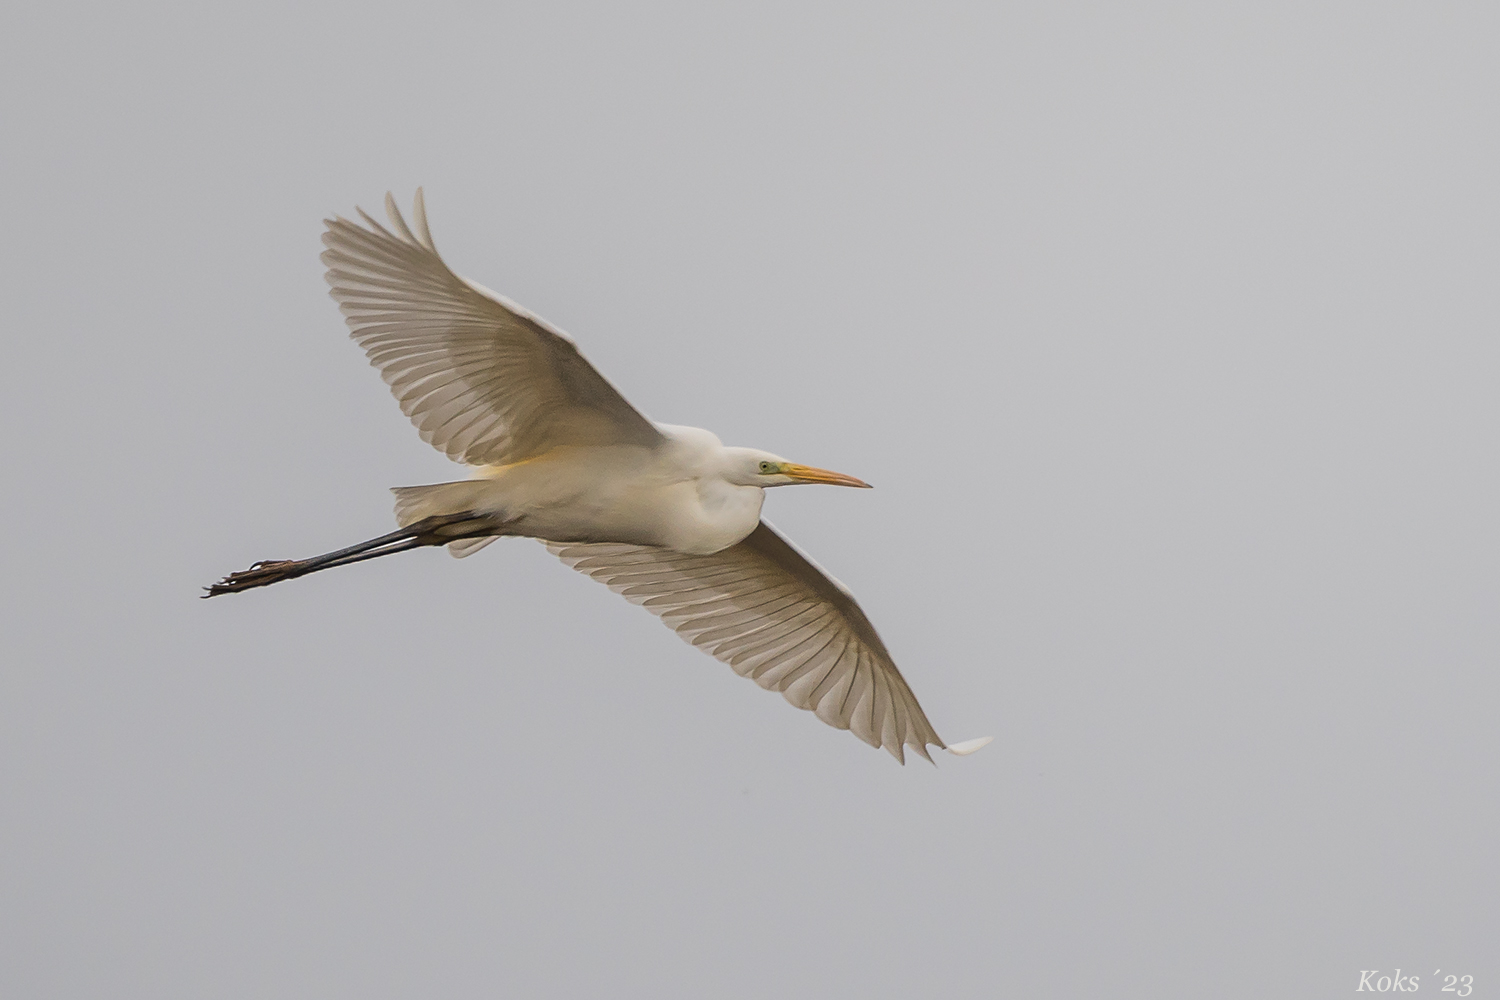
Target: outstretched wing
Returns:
[485, 382]
[770, 613]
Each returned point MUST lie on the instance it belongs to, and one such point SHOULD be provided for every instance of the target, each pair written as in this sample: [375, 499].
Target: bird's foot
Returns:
[261, 574]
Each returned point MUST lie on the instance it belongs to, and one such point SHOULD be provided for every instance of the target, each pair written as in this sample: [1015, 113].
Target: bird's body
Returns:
[674, 495]
[665, 515]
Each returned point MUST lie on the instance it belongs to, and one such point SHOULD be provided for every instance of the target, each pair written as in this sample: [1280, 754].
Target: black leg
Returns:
[438, 530]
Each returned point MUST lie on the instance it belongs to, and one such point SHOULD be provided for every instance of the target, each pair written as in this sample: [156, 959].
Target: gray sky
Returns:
[1167, 335]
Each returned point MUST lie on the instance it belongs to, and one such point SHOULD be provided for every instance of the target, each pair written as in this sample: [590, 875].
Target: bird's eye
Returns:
[766, 468]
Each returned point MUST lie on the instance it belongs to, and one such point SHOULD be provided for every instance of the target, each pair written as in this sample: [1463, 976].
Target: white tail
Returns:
[416, 502]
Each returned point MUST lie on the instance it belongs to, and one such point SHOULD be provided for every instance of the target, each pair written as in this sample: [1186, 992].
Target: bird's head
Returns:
[749, 467]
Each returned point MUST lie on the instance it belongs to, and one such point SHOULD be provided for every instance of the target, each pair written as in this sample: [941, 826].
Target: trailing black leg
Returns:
[437, 530]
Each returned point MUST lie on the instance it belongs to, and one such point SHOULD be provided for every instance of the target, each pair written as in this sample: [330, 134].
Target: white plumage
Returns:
[666, 516]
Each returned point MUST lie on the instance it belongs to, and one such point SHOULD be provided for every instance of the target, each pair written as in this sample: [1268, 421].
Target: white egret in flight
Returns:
[666, 516]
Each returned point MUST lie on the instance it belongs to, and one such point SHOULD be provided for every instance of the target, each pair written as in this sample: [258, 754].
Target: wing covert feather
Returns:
[772, 615]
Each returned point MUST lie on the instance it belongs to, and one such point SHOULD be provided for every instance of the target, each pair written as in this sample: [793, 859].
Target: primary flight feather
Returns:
[666, 516]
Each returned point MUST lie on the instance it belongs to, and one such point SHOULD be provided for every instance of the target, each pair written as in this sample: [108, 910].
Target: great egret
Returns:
[666, 516]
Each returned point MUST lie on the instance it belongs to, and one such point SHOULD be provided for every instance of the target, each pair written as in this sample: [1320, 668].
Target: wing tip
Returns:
[968, 746]
[419, 219]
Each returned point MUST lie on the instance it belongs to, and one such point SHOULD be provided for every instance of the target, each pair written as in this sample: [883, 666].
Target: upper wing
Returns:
[766, 610]
[485, 382]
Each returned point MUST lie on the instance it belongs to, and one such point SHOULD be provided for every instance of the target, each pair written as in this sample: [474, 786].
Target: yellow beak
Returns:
[808, 474]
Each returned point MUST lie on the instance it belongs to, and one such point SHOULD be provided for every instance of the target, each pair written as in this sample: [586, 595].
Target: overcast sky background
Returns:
[1167, 334]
